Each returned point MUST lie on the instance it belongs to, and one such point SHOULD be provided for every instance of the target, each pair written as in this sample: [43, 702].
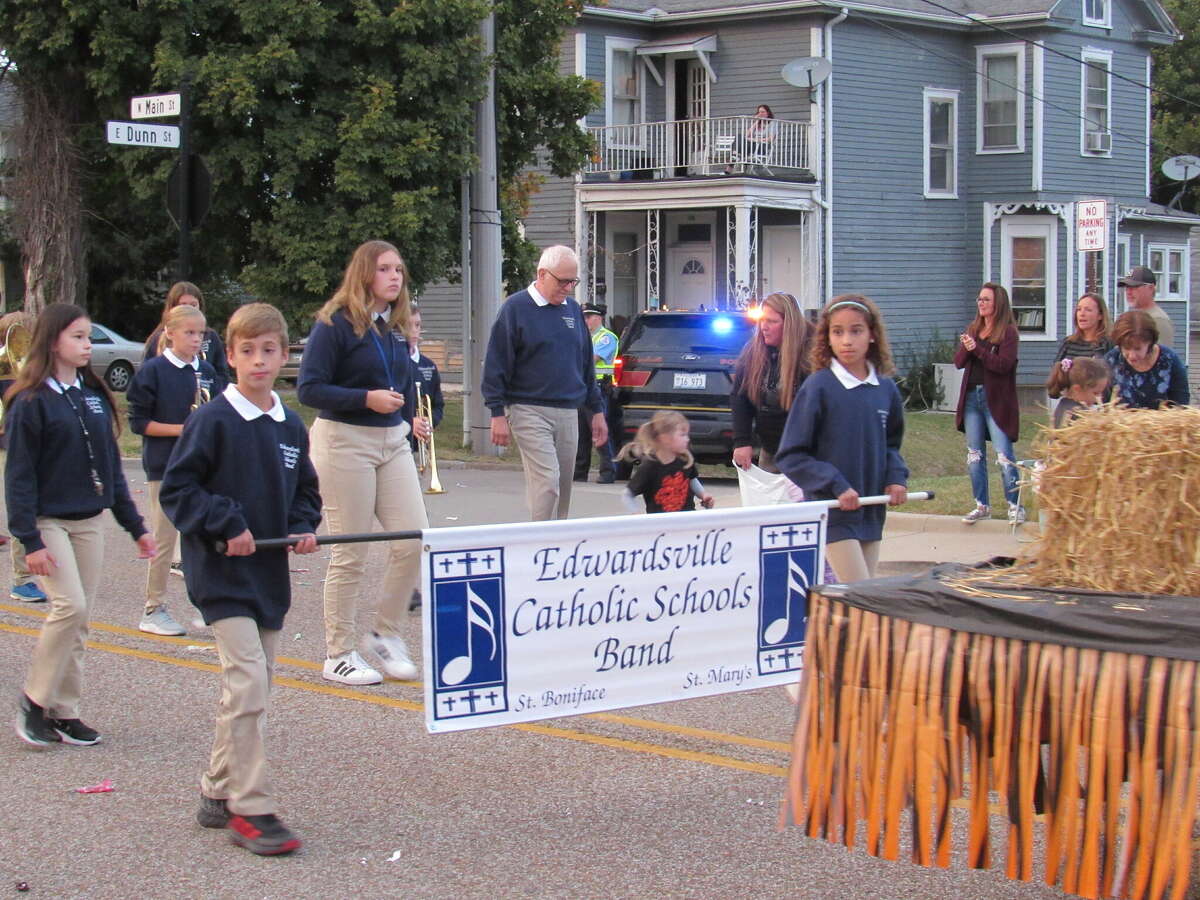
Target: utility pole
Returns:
[185, 179]
[484, 281]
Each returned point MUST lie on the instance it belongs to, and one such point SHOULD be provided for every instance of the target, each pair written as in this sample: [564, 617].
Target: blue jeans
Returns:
[979, 426]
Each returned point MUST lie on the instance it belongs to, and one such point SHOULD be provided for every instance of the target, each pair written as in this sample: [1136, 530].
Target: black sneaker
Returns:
[73, 731]
[212, 813]
[264, 835]
[415, 602]
[33, 727]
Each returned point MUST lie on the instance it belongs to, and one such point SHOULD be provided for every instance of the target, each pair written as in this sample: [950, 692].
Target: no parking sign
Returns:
[1091, 224]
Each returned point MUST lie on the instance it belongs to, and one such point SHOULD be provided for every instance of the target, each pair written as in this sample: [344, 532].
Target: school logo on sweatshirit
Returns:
[570, 320]
[787, 557]
[94, 404]
[290, 455]
[469, 652]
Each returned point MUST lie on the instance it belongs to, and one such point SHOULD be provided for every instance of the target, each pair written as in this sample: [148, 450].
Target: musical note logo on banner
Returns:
[788, 559]
[468, 633]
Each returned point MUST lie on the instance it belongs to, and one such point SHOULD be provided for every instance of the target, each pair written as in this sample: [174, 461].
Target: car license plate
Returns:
[690, 380]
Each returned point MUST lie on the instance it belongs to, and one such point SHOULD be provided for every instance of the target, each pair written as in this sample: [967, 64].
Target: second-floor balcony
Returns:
[723, 145]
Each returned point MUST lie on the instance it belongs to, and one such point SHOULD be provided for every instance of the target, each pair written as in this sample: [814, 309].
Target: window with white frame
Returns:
[1098, 13]
[1000, 81]
[941, 143]
[623, 92]
[1169, 265]
[1028, 269]
[1096, 103]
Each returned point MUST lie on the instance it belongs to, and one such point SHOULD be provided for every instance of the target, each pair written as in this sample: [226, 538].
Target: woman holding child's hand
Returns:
[356, 371]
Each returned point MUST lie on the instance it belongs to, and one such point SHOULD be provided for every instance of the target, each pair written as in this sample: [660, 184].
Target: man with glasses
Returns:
[537, 375]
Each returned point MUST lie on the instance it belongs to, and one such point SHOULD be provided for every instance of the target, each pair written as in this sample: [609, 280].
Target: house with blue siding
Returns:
[915, 149]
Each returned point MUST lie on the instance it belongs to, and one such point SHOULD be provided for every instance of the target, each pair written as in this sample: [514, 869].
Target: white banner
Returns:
[545, 619]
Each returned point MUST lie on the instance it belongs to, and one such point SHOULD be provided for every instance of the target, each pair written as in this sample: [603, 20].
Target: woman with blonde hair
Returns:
[356, 371]
[769, 372]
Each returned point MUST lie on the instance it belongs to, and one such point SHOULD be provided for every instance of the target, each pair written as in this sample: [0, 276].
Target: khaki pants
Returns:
[166, 537]
[367, 474]
[853, 560]
[56, 674]
[237, 768]
[547, 438]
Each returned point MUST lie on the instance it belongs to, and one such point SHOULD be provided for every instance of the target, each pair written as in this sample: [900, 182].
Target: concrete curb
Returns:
[923, 523]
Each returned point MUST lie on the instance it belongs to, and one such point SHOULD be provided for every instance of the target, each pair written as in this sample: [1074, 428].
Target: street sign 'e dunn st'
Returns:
[139, 135]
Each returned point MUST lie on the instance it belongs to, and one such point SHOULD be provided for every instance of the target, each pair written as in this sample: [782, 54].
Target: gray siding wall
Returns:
[911, 255]
[748, 61]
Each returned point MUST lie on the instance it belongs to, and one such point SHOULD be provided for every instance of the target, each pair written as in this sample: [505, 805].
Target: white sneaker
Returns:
[1016, 514]
[159, 621]
[979, 512]
[350, 668]
[393, 655]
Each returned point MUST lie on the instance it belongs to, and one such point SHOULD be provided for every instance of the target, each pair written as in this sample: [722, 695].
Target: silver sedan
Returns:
[114, 358]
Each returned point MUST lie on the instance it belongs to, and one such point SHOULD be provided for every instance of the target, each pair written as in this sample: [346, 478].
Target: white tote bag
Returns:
[762, 488]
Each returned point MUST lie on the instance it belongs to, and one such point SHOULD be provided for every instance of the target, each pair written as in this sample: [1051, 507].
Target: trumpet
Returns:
[422, 450]
[435, 483]
[203, 394]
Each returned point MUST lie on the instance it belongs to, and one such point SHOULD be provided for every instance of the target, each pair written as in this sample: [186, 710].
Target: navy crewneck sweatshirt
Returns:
[339, 367]
[164, 392]
[540, 355]
[48, 471]
[228, 474]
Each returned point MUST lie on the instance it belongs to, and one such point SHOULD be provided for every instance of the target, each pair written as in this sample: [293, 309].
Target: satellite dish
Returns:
[807, 71]
[1181, 168]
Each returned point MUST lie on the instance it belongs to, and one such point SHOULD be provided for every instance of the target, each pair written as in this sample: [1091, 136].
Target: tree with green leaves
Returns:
[1176, 122]
[323, 123]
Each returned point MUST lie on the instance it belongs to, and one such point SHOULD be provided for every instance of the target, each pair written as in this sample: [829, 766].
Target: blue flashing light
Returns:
[722, 325]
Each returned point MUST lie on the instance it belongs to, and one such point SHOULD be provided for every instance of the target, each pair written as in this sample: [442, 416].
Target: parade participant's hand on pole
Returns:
[500, 431]
[743, 456]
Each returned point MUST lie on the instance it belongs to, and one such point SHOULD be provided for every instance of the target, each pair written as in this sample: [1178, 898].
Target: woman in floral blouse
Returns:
[1145, 374]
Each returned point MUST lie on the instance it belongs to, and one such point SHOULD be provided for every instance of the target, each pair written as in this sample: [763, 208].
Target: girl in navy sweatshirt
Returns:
[212, 351]
[356, 371]
[163, 394]
[842, 437]
[63, 471]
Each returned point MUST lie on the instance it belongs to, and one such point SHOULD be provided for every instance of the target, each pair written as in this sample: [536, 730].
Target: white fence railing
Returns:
[703, 146]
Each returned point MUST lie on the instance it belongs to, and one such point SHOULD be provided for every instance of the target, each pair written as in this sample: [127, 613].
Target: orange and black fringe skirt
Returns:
[930, 705]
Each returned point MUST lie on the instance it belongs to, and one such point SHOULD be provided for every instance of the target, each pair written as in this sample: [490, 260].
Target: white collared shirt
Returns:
[415, 355]
[537, 295]
[179, 363]
[57, 387]
[250, 411]
[850, 381]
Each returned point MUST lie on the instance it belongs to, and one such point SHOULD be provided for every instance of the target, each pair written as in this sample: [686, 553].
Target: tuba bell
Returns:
[17, 341]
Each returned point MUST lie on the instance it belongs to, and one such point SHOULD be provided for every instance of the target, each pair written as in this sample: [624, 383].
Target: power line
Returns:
[1062, 53]
[966, 63]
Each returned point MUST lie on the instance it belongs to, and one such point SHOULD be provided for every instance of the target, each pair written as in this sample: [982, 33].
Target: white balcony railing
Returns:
[703, 147]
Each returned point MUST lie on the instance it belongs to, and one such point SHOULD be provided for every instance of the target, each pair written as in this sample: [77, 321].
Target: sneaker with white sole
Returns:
[159, 621]
[979, 512]
[393, 655]
[33, 727]
[28, 593]
[350, 668]
[1016, 514]
[73, 731]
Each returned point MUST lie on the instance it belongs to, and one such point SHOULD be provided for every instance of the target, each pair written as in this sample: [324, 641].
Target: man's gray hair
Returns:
[554, 257]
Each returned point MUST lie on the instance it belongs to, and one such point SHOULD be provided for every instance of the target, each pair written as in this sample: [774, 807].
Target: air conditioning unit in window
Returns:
[1098, 142]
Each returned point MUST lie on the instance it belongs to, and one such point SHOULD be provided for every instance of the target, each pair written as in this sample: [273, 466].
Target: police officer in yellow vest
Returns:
[604, 348]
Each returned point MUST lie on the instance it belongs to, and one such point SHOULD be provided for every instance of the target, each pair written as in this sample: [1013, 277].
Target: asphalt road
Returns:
[675, 800]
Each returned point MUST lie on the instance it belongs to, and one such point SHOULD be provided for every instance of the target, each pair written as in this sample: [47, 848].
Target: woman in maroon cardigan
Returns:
[987, 404]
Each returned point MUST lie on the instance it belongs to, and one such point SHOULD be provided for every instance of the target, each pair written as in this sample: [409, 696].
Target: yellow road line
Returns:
[412, 706]
[630, 721]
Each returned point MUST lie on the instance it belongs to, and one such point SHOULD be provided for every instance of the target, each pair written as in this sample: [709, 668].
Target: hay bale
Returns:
[1121, 496]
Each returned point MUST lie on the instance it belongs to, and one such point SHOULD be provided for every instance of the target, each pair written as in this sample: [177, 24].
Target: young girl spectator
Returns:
[1090, 337]
[665, 476]
[987, 404]
[1146, 374]
[356, 370]
[212, 351]
[1079, 383]
[769, 371]
[842, 437]
[162, 395]
[63, 471]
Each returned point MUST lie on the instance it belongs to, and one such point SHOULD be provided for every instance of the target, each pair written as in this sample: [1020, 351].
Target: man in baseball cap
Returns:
[1140, 285]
